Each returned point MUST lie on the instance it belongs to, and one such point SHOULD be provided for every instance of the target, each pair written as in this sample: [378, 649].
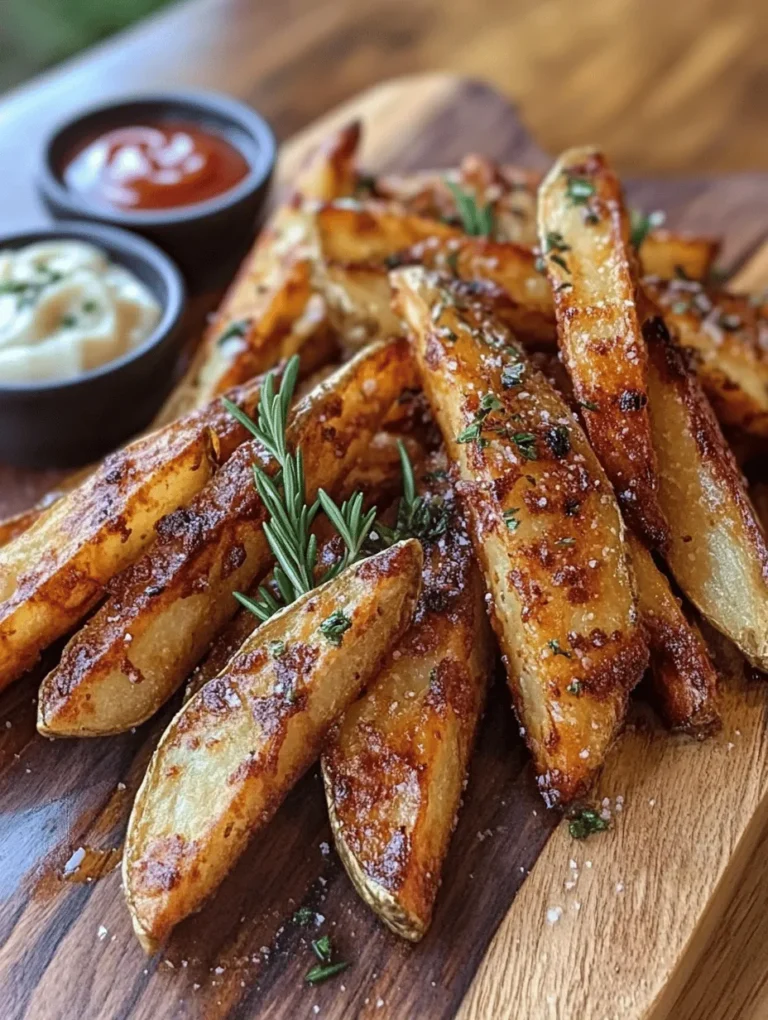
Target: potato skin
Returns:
[164, 611]
[717, 551]
[233, 752]
[684, 678]
[56, 570]
[395, 765]
[547, 532]
[585, 246]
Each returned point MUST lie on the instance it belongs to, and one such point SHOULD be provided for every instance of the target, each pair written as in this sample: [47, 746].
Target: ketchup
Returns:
[154, 166]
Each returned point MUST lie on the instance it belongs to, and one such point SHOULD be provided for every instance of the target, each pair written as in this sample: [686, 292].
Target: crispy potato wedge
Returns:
[233, 752]
[684, 678]
[358, 245]
[271, 309]
[53, 573]
[545, 526]
[378, 477]
[722, 332]
[667, 255]
[583, 232]
[163, 612]
[717, 550]
[395, 766]
[510, 191]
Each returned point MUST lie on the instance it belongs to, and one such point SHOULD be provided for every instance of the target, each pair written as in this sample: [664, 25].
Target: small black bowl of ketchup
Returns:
[188, 170]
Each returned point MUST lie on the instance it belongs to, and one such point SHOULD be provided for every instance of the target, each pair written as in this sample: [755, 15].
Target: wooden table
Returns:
[692, 76]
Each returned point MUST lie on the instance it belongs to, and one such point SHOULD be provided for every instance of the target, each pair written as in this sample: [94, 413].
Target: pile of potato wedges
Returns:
[560, 374]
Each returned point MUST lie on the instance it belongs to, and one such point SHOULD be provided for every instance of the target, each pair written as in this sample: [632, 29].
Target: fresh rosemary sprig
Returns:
[284, 496]
[419, 517]
[476, 220]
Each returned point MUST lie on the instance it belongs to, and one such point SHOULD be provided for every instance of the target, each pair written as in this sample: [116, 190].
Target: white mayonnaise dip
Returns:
[66, 309]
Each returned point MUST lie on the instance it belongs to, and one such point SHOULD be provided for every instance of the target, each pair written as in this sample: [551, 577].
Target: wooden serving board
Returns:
[529, 923]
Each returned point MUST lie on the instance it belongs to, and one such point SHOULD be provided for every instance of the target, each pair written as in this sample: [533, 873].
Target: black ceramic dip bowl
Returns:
[70, 422]
[206, 238]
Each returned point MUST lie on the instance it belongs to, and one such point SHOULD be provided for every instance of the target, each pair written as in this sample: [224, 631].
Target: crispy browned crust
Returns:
[55, 571]
[684, 678]
[589, 263]
[395, 766]
[669, 255]
[722, 333]
[234, 751]
[163, 612]
[563, 604]
[717, 550]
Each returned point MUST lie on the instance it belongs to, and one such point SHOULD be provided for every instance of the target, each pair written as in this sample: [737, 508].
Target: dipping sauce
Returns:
[159, 166]
[66, 309]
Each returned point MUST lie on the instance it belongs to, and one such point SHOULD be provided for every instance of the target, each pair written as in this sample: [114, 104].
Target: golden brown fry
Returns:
[54, 572]
[395, 766]
[271, 310]
[684, 679]
[717, 550]
[377, 476]
[164, 611]
[583, 231]
[234, 751]
[722, 332]
[669, 255]
[546, 529]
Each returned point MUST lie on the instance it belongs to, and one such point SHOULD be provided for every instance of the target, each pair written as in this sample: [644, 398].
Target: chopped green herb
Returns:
[539, 265]
[90, 306]
[304, 916]
[555, 241]
[574, 687]
[526, 444]
[565, 285]
[68, 322]
[238, 328]
[640, 225]
[473, 433]
[554, 645]
[586, 822]
[512, 375]
[510, 520]
[560, 261]
[321, 972]
[323, 949]
[452, 261]
[558, 440]
[590, 405]
[365, 185]
[476, 220]
[422, 517]
[436, 476]
[680, 307]
[13, 287]
[276, 649]
[335, 626]
[579, 189]
[680, 274]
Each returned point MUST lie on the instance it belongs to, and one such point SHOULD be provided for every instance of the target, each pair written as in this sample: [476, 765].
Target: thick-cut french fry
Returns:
[668, 255]
[234, 751]
[395, 766]
[271, 310]
[377, 476]
[55, 571]
[357, 246]
[721, 330]
[546, 529]
[584, 231]
[163, 612]
[684, 679]
[717, 550]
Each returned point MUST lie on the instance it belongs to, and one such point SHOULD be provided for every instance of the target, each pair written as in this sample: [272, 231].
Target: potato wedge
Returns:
[395, 766]
[545, 526]
[684, 678]
[667, 255]
[722, 332]
[357, 246]
[164, 611]
[717, 550]
[53, 573]
[233, 752]
[584, 237]
[271, 310]
[378, 477]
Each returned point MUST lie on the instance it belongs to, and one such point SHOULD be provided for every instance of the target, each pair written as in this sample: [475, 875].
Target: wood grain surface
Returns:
[659, 883]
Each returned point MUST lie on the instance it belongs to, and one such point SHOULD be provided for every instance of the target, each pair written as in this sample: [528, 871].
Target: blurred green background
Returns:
[34, 34]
